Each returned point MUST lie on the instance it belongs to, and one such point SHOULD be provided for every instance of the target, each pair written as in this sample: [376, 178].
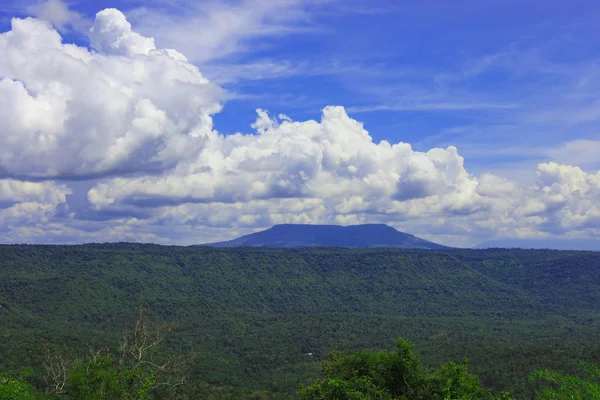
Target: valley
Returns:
[251, 315]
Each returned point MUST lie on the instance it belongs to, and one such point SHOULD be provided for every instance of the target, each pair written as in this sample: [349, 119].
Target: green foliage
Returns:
[13, 389]
[136, 374]
[391, 375]
[358, 388]
[253, 315]
[17, 388]
[559, 385]
[100, 377]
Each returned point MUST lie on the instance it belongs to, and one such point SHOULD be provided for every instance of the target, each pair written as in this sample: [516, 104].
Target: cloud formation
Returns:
[59, 15]
[335, 158]
[122, 107]
[136, 121]
[29, 206]
[332, 172]
[222, 28]
[13, 191]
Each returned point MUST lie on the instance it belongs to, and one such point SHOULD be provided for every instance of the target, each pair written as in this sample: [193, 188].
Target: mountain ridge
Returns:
[349, 236]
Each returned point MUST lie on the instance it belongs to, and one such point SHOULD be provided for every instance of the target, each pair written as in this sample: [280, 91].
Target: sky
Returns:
[186, 122]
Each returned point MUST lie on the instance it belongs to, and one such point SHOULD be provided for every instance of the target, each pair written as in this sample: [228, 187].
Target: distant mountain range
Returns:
[353, 236]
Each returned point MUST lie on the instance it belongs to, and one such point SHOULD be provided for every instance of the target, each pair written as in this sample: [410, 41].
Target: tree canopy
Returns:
[388, 375]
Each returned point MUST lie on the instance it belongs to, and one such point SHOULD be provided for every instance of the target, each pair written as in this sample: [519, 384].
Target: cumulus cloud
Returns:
[332, 172]
[13, 191]
[26, 206]
[567, 198]
[70, 112]
[136, 121]
[112, 34]
[334, 159]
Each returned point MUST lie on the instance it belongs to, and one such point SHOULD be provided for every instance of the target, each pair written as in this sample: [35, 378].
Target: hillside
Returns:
[353, 236]
[253, 314]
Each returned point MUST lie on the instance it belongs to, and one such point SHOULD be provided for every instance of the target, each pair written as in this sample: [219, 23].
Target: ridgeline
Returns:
[353, 236]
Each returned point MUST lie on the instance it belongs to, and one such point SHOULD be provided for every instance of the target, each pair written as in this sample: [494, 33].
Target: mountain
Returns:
[353, 236]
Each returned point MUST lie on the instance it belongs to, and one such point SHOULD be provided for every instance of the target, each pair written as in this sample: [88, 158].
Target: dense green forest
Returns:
[258, 322]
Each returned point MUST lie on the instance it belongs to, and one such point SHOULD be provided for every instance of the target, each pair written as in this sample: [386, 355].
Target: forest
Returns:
[244, 323]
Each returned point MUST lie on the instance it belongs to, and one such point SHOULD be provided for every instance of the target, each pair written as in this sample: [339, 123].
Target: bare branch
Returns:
[57, 369]
[138, 349]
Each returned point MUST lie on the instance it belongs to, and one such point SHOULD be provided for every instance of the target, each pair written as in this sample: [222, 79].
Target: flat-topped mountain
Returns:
[353, 236]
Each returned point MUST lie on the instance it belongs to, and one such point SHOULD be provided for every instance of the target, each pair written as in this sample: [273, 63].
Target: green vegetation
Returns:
[365, 375]
[559, 386]
[252, 316]
[15, 387]
[138, 370]
[391, 375]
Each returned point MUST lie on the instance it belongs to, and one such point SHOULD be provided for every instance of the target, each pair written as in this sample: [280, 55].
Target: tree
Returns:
[17, 388]
[398, 374]
[560, 386]
[139, 350]
[100, 377]
[138, 371]
[57, 367]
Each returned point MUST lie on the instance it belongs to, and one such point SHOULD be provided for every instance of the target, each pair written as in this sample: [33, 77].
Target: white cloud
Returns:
[567, 198]
[496, 187]
[432, 106]
[562, 203]
[28, 205]
[14, 191]
[139, 119]
[583, 152]
[59, 15]
[212, 30]
[71, 112]
[332, 160]
[112, 34]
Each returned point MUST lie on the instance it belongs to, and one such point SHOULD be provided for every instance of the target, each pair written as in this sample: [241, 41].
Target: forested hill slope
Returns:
[381, 281]
[254, 313]
[353, 236]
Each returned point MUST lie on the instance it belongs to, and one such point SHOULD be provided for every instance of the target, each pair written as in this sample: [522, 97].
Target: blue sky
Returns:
[510, 84]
